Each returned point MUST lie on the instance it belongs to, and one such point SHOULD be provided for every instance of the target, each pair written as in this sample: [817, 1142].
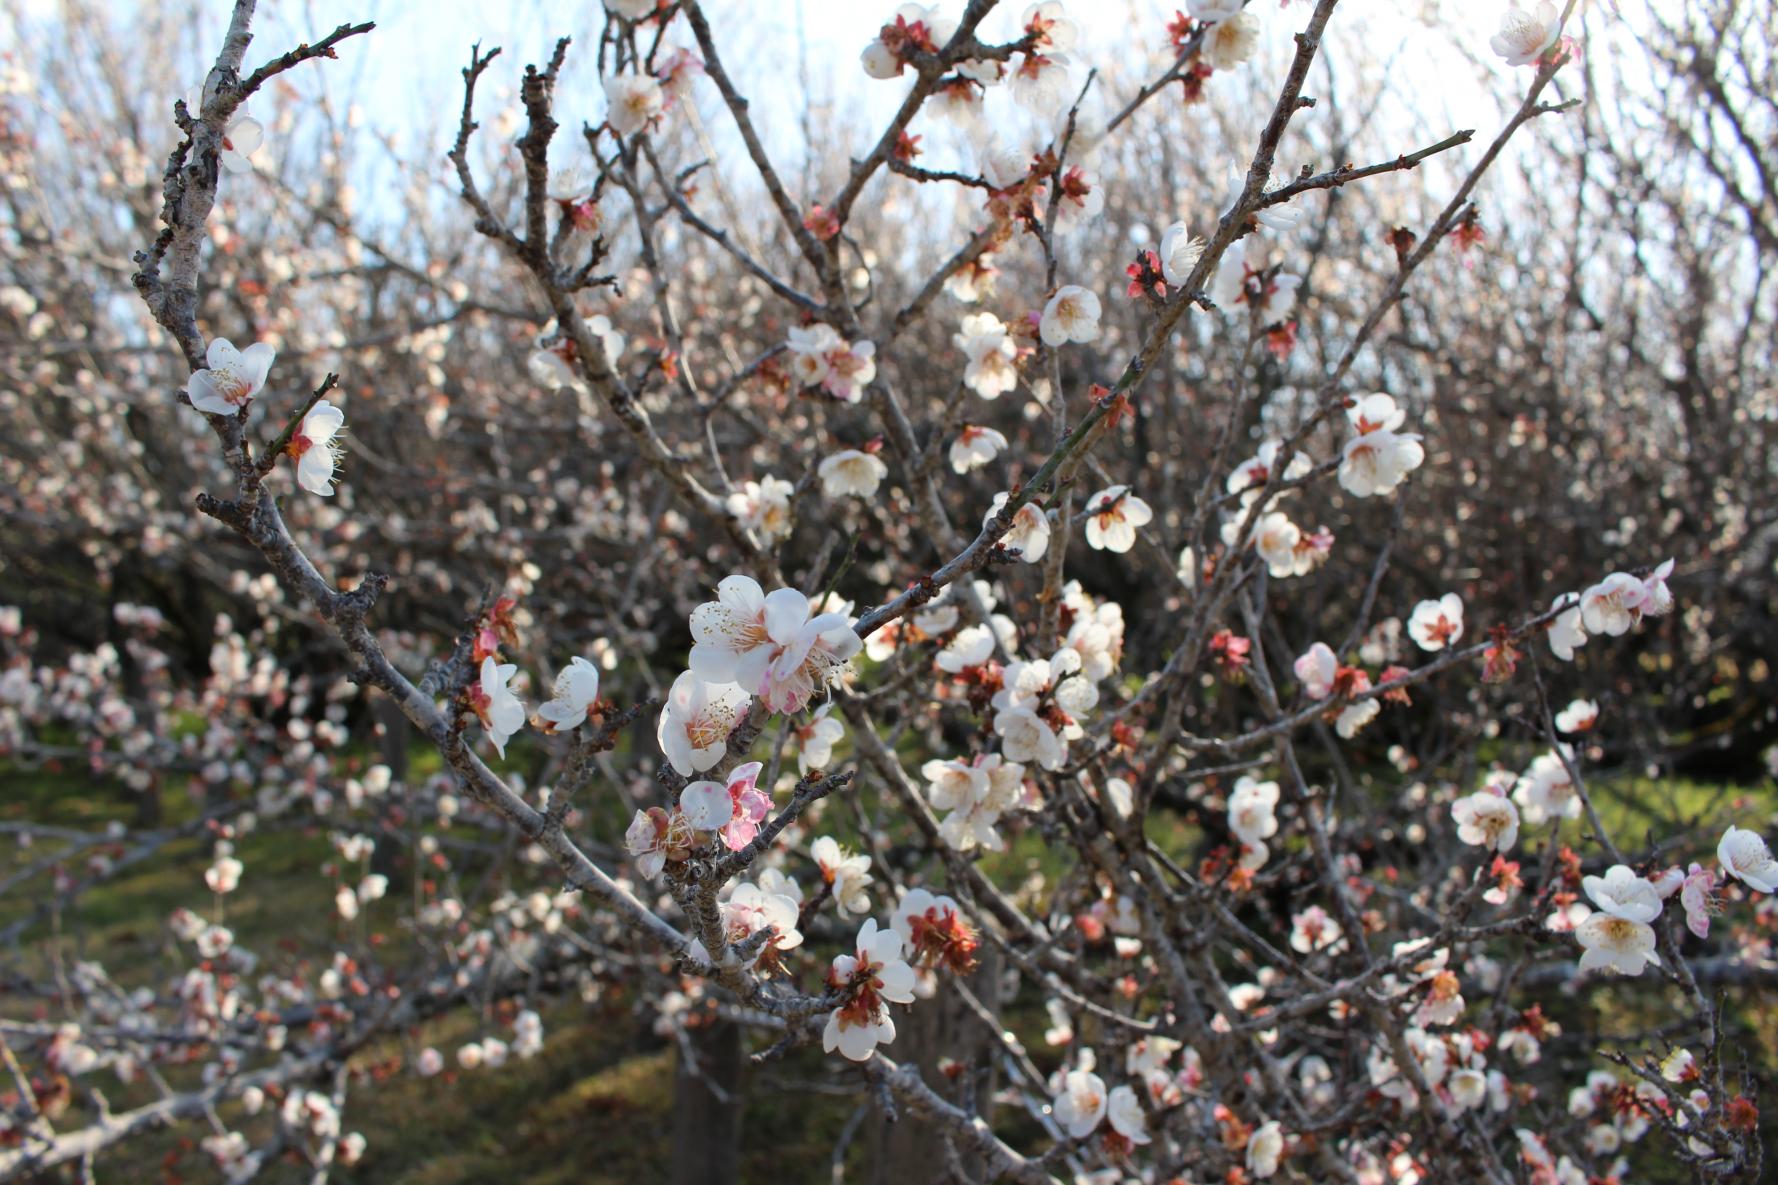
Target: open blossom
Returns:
[1487, 819]
[1378, 457]
[1356, 715]
[1264, 1149]
[1545, 791]
[1435, 625]
[976, 793]
[873, 977]
[1040, 83]
[1081, 1103]
[1615, 943]
[1124, 1112]
[992, 370]
[912, 28]
[695, 723]
[1657, 599]
[575, 692]
[1614, 605]
[1030, 531]
[224, 876]
[500, 710]
[1579, 716]
[770, 644]
[1232, 41]
[1623, 894]
[1524, 37]
[850, 370]
[847, 872]
[809, 346]
[317, 456]
[816, 739]
[974, 447]
[1313, 929]
[763, 507]
[654, 837]
[631, 10]
[851, 472]
[634, 102]
[934, 932]
[1745, 856]
[1112, 518]
[231, 379]
[1252, 811]
[1254, 472]
[1180, 252]
[1072, 315]
[1567, 634]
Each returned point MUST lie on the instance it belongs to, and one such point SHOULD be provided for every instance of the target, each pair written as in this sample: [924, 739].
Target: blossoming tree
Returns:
[1239, 820]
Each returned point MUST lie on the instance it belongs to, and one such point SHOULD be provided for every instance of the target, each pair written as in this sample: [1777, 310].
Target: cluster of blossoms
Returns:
[821, 359]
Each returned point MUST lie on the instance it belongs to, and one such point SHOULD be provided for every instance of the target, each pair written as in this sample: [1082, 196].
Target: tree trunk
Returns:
[706, 1124]
[942, 1027]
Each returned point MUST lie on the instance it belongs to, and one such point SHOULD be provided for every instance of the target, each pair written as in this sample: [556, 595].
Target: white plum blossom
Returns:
[631, 10]
[1081, 1103]
[501, 712]
[816, 739]
[1545, 791]
[1579, 716]
[1614, 605]
[1377, 457]
[873, 977]
[763, 507]
[1254, 472]
[224, 876]
[1212, 11]
[242, 136]
[1745, 856]
[576, 691]
[1072, 315]
[1030, 531]
[1180, 252]
[1487, 819]
[847, 872]
[1040, 83]
[1264, 1149]
[633, 102]
[1355, 716]
[1252, 811]
[1113, 515]
[974, 447]
[231, 378]
[1524, 37]
[992, 369]
[1623, 894]
[1232, 41]
[1657, 598]
[851, 473]
[1124, 1112]
[976, 793]
[770, 645]
[1567, 634]
[809, 346]
[1435, 625]
[317, 456]
[695, 723]
[1615, 943]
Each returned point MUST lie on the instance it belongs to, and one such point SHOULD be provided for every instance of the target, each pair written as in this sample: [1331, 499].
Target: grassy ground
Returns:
[597, 1105]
